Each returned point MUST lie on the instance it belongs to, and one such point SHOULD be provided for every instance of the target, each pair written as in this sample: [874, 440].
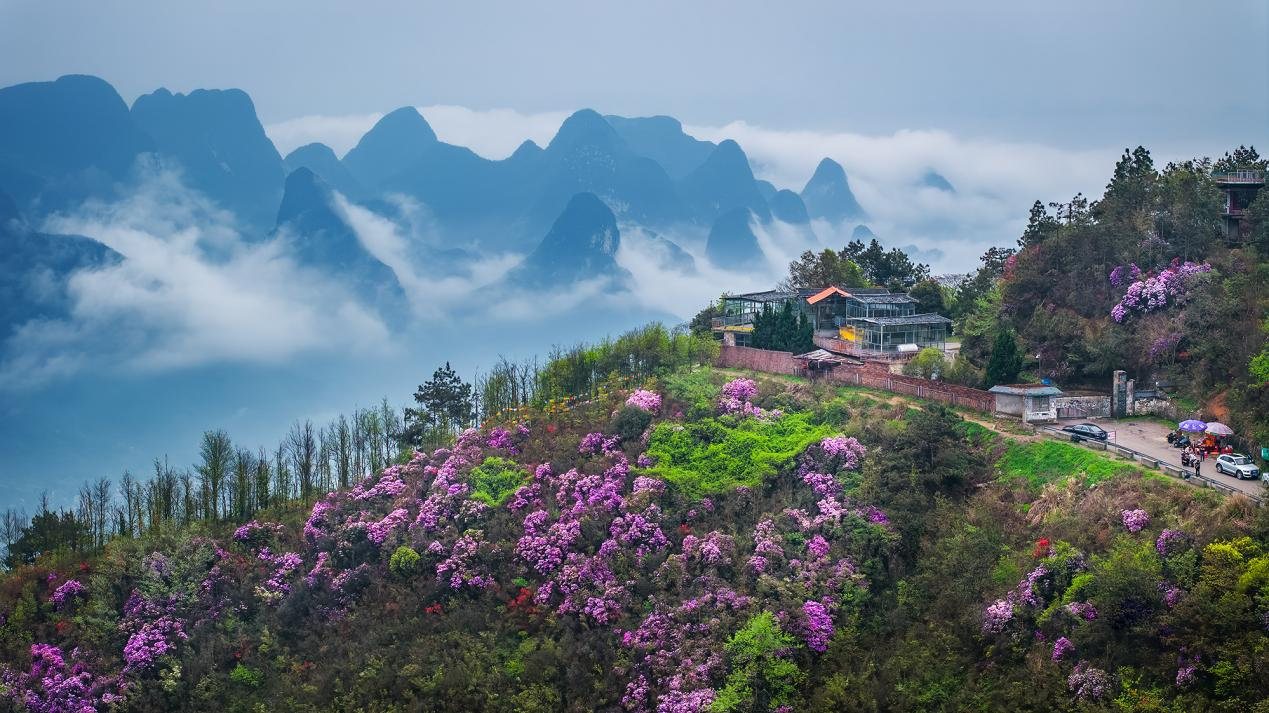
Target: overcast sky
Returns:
[1176, 74]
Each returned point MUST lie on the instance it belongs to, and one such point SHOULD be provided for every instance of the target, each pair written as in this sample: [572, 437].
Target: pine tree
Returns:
[1006, 359]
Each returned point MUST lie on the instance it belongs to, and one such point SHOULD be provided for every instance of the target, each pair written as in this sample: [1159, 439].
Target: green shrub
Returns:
[404, 561]
[760, 676]
[630, 422]
[717, 455]
[245, 676]
[1041, 462]
[696, 389]
[493, 481]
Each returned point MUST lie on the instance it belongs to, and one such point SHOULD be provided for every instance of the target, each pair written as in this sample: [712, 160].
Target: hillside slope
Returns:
[709, 543]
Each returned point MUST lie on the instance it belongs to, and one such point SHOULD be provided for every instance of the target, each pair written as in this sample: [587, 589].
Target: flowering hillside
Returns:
[780, 547]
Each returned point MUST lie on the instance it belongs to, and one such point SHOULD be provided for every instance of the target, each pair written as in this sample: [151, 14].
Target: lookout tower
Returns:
[1240, 189]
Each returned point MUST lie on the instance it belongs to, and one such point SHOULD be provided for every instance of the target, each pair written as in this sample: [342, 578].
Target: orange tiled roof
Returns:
[827, 292]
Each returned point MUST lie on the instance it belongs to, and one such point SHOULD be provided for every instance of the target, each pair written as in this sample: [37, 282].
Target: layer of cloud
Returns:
[189, 292]
[996, 182]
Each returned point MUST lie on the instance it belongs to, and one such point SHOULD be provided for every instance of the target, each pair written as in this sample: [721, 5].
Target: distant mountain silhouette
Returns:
[582, 244]
[724, 182]
[767, 189]
[398, 139]
[321, 160]
[828, 196]
[588, 156]
[862, 233]
[36, 268]
[662, 139]
[787, 206]
[319, 237]
[672, 257]
[732, 244]
[934, 179]
[66, 140]
[218, 141]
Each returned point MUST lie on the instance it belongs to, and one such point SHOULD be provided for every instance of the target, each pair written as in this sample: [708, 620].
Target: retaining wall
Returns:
[872, 375]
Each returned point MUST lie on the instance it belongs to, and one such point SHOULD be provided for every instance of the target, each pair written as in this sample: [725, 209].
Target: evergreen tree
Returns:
[1006, 360]
[444, 406]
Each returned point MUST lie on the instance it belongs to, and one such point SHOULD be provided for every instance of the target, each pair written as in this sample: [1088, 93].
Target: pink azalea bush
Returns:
[64, 594]
[1134, 520]
[1152, 292]
[644, 400]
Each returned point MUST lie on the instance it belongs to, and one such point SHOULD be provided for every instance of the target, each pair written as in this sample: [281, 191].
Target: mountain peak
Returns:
[724, 182]
[583, 127]
[405, 122]
[788, 207]
[582, 244]
[732, 244]
[934, 179]
[321, 160]
[828, 196]
[662, 139]
[305, 191]
[395, 142]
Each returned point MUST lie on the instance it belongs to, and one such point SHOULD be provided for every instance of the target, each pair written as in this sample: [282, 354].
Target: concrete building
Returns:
[1030, 402]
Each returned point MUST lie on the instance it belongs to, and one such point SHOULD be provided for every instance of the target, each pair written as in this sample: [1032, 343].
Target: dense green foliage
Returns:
[782, 330]
[715, 455]
[494, 480]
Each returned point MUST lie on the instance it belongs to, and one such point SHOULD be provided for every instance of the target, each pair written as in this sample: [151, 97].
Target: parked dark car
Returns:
[1086, 432]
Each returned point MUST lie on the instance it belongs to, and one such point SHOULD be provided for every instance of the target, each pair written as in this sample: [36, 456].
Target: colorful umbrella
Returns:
[1219, 429]
[1193, 426]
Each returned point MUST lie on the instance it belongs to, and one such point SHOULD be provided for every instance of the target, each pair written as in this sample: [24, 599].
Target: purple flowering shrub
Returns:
[1134, 520]
[67, 593]
[644, 400]
[51, 685]
[1150, 292]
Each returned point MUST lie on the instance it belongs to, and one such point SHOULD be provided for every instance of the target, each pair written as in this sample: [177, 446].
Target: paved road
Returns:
[1150, 437]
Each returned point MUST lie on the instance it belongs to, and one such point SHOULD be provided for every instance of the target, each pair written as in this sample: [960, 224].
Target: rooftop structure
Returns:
[1240, 188]
[867, 320]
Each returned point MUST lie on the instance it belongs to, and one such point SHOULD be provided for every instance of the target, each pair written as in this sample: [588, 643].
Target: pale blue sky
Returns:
[1073, 73]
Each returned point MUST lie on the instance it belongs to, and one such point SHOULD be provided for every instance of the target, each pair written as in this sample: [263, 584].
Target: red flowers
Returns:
[685, 529]
[1041, 548]
[433, 609]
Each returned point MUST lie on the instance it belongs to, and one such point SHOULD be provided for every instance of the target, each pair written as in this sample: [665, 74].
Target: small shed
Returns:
[1030, 402]
[821, 361]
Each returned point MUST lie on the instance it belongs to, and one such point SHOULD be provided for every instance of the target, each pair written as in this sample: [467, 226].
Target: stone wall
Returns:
[1083, 406]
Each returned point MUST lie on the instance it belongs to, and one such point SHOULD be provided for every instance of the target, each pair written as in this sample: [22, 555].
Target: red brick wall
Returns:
[757, 360]
[874, 375]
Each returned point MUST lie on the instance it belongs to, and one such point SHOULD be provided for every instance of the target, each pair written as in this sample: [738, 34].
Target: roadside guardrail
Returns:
[1152, 462]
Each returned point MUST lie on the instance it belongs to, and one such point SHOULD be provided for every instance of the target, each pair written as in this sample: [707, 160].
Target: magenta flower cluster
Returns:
[997, 616]
[1088, 683]
[50, 685]
[1134, 520]
[817, 626]
[1170, 542]
[644, 400]
[735, 400]
[63, 595]
[1151, 292]
[1061, 648]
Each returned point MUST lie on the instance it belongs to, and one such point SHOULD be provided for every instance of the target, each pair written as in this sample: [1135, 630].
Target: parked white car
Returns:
[1237, 465]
